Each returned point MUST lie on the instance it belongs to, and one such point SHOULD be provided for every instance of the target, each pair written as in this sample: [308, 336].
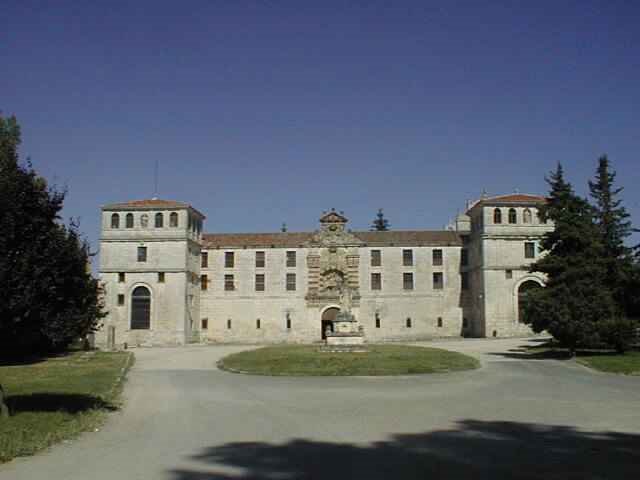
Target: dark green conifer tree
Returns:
[380, 224]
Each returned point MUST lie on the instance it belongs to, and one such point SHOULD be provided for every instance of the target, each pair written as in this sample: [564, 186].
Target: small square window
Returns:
[376, 258]
[437, 257]
[142, 254]
[407, 258]
[259, 282]
[204, 260]
[291, 282]
[376, 281]
[120, 299]
[229, 285]
[160, 277]
[407, 281]
[529, 250]
[121, 277]
[229, 259]
[508, 274]
[291, 259]
[438, 281]
[204, 324]
[260, 260]
[204, 282]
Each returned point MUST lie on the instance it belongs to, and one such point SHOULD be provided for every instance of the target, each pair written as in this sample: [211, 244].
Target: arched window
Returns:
[115, 221]
[526, 216]
[173, 219]
[497, 216]
[513, 217]
[159, 220]
[141, 309]
[524, 290]
[144, 220]
[129, 220]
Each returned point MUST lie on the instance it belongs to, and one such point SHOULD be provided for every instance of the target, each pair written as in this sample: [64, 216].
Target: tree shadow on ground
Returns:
[527, 354]
[474, 450]
[56, 402]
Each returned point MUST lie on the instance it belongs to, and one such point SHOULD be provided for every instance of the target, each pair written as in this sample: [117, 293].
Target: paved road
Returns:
[513, 418]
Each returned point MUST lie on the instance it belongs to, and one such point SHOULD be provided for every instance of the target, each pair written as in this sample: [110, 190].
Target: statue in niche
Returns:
[345, 295]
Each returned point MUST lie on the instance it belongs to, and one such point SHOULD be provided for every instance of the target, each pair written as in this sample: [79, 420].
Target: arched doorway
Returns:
[523, 290]
[328, 316]
[141, 309]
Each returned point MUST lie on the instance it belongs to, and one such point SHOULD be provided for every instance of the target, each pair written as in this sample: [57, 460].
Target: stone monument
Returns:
[346, 331]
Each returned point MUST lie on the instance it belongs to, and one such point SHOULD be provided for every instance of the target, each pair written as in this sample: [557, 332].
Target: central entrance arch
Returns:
[328, 316]
[523, 290]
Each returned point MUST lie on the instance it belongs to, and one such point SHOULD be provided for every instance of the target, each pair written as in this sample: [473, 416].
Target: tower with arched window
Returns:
[150, 269]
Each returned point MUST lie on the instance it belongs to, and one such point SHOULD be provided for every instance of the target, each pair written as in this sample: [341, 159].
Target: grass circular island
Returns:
[310, 360]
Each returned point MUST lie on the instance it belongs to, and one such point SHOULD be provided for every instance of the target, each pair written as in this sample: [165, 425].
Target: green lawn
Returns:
[378, 360]
[58, 398]
[627, 363]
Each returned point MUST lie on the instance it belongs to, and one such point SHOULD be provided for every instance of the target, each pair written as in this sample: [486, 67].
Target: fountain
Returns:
[346, 335]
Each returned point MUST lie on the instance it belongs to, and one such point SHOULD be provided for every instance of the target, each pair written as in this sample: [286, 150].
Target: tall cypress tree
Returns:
[576, 296]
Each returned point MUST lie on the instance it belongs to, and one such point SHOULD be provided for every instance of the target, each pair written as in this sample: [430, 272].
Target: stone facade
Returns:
[282, 287]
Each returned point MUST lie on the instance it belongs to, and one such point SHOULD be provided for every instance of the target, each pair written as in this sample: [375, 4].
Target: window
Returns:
[159, 220]
[497, 216]
[376, 281]
[439, 322]
[408, 322]
[513, 217]
[173, 219]
[204, 282]
[129, 220]
[141, 309]
[160, 277]
[260, 260]
[142, 254]
[438, 281]
[121, 277]
[204, 323]
[437, 257]
[464, 257]
[204, 260]
[228, 283]
[228, 323]
[464, 277]
[508, 274]
[377, 320]
[120, 299]
[291, 259]
[144, 220]
[376, 258]
[257, 324]
[259, 282]
[288, 317]
[115, 221]
[291, 281]
[526, 216]
[407, 258]
[529, 250]
[229, 259]
[407, 281]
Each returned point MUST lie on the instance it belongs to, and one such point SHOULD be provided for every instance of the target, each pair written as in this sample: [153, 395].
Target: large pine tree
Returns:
[48, 298]
[576, 296]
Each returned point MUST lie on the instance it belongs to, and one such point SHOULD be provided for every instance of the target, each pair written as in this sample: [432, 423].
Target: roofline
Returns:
[118, 206]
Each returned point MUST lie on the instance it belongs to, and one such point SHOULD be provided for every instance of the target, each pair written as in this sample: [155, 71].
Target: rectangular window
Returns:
[257, 324]
[529, 250]
[160, 277]
[408, 322]
[121, 277]
[377, 320]
[437, 257]
[120, 299]
[291, 281]
[376, 258]
[464, 257]
[407, 258]
[259, 259]
[288, 322]
[439, 322]
[229, 323]
[464, 276]
[204, 324]
[407, 281]
[204, 282]
[204, 260]
[259, 282]
[376, 281]
[291, 259]
[438, 281]
[142, 254]
[508, 274]
[229, 260]
[228, 283]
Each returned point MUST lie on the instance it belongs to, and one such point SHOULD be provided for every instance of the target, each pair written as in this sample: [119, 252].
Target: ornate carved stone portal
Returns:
[333, 260]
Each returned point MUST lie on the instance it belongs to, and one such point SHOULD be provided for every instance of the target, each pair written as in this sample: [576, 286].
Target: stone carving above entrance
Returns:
[333, 232]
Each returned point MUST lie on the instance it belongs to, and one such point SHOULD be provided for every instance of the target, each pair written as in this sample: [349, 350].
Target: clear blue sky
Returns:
[263, 112]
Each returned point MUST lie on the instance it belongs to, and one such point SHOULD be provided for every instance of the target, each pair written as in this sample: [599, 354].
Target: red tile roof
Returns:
[148, 204]
[516, 197]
